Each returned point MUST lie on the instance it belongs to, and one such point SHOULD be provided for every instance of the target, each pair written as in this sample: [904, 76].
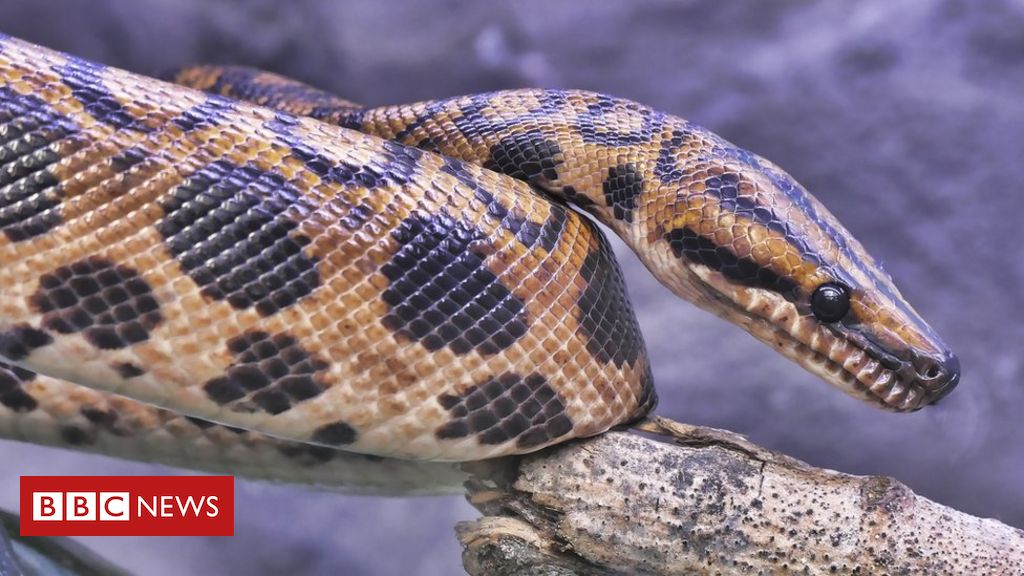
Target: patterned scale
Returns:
[278, 274]
[403, 281]
[718, 225]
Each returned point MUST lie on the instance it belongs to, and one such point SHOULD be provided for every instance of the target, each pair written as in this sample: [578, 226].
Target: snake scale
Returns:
[240, 270]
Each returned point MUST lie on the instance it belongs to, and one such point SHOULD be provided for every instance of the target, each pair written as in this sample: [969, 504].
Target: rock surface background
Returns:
[906, 119]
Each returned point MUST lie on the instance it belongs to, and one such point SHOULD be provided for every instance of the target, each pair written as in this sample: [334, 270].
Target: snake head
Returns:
[758, 250]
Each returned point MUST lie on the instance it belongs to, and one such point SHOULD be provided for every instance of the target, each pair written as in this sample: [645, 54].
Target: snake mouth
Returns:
[840, 355]
[859, 372]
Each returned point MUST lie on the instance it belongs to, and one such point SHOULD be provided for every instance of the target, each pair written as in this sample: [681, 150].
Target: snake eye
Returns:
[830, 302]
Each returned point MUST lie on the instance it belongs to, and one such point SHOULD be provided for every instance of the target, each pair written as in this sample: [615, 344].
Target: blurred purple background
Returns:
[906, 119]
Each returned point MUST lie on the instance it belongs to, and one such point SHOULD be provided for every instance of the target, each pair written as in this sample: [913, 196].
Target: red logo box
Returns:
[127, 506]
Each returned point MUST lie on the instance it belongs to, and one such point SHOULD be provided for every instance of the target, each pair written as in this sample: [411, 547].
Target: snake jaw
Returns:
[839, 354]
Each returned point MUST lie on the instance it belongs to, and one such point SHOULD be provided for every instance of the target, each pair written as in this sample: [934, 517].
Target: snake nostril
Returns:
[937, 370]
[940, 375]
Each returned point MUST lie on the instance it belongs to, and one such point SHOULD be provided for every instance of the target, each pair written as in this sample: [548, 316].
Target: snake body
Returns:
[414, 281]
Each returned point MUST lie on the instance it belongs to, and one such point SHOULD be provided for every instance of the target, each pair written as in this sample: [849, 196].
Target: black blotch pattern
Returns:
[128, 370]
[83, 78]
[526, 156]
[604, 313]
[76, 436]
[648, 398]
[457, 168]
[526, 231]
[397, 166]
[430, 111]
[210, 112]
[269, 372]
[667, 167]
[229, 228]
[110, 304]
[595, 129]
[336, 434]
[29, 196]
[530, 233]
[246, 84]
[494, 207]
[129, 157]
[573, 197]
[312, 453]
[12, 395]
[99, 421]
[428, 145]
[688, 244]
[99, 417]
[18, 342]
[622, 188]
[726, 187]
[441, 293]
[508, 407]
[356, 217]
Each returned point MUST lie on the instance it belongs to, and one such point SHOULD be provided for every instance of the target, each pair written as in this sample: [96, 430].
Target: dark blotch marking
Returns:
[622, 188]
[128, 370]
[312, 453]
[726, 187]
[508, 407]
[233, 230]
[527, 156]
[666, 167]
[99, 421]
[269, 372]
[429, 113]
[494, 207]
[526, 231]
[336, 434]
[604, 312]
[99, 417]
[83, 78]
[398, 165]
[686, 243]
[574, 197]
[648, 398]
[441, 293]
[110, 304]
[129, 157]
[12, 395]
[76, 436]
[210, 112]
[29, 196]
[530, 233]
[18, 342]
[595, 129]
[356, 217]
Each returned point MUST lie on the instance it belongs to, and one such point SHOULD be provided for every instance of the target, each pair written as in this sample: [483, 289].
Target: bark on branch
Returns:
[710, 502]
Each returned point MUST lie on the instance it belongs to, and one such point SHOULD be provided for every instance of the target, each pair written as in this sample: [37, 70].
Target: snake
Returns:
[230, 269]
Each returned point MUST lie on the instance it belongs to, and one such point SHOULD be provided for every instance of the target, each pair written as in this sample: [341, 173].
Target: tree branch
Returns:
[711, 502]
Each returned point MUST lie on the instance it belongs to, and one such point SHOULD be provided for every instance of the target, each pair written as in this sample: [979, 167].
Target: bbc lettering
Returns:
[115, 506]
[127, 505]
[80, 506]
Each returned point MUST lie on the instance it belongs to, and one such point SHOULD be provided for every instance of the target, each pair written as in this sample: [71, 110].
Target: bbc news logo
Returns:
[127, 506]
